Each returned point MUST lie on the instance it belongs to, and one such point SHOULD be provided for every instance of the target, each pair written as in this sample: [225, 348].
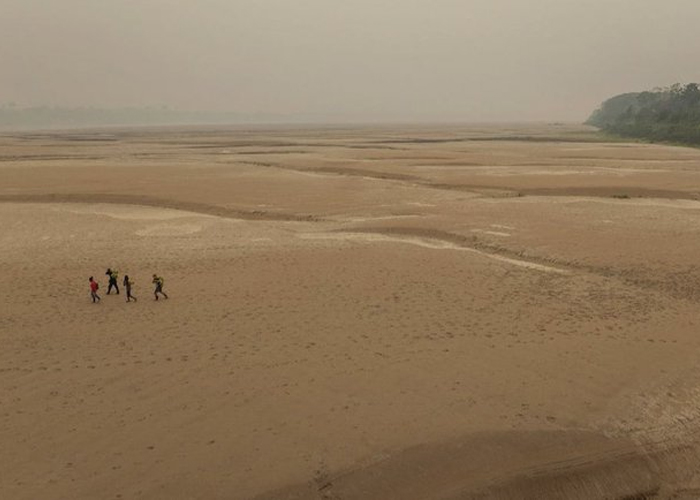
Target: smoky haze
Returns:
[374, 60]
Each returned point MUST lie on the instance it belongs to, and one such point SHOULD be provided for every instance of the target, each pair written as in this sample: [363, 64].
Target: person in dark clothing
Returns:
[128, 284]
[158, 282]
[113, 275]
[93, 290]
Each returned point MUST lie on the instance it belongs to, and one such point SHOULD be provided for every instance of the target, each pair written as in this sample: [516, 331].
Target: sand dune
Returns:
[375, 330]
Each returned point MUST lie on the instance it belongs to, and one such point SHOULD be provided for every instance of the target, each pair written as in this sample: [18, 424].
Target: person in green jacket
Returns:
[113, 275]
[158, 282]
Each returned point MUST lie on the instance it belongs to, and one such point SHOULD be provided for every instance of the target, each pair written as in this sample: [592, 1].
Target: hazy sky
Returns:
[467, 60]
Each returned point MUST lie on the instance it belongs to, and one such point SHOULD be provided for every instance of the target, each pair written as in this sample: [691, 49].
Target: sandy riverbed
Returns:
[354, 313]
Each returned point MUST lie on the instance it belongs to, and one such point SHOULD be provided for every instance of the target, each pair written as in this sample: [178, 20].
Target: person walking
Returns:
[113, 275]
[128, 284]
[158, 282]
[94, 286]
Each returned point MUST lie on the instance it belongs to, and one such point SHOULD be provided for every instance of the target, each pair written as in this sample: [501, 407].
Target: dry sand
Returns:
[355, 313]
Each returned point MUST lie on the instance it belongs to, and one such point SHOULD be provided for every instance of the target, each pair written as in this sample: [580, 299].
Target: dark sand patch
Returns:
[575, 465]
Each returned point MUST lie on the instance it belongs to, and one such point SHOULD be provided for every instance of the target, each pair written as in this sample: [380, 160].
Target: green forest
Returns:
[662, 115]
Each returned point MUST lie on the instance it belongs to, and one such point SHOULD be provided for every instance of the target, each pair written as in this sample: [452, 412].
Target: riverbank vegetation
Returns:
[662, 115]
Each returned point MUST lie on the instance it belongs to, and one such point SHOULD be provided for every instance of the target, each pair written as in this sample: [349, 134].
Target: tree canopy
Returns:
[666, 115]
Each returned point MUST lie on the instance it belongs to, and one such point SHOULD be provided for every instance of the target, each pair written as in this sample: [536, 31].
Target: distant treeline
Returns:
[666, 115]
[12, 117]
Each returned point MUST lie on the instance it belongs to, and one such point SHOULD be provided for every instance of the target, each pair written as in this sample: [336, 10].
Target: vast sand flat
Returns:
[354, 313]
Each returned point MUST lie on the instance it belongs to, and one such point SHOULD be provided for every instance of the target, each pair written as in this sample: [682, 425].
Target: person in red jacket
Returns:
[93, 290]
